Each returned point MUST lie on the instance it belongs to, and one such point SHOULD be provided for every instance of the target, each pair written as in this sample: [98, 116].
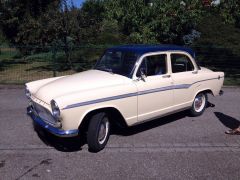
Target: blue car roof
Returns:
[142, 49]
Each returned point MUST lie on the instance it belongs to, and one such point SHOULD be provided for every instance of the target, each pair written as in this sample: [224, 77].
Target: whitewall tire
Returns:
[199, 104]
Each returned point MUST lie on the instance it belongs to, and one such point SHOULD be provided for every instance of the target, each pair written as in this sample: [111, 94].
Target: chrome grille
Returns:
[45, 115]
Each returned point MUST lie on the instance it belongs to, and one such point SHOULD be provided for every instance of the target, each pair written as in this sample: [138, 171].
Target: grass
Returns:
[15, 69]
[22, 73]
[18, 69]
[231, 81]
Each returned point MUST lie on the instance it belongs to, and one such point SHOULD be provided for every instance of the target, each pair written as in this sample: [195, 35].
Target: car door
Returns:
[155, 95]
[184, 74]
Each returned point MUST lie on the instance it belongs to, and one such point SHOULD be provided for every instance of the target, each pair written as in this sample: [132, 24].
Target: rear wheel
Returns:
[98, 132]
[199, 104]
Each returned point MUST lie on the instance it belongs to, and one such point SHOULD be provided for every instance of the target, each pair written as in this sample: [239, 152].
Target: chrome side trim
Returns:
[100, 100]
[182, 86]
[156, 90]
[167, 88]
[49, 128]
[207, 80]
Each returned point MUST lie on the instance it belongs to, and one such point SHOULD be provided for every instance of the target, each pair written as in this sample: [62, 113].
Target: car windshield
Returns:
[117, 62]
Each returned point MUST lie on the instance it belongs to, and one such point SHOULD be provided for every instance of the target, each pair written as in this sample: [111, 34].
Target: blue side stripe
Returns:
[101, 100]
[167, 88]
[156, 90]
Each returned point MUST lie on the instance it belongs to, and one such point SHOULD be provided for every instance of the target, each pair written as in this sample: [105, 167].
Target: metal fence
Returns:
[220, 59]
[20, 64]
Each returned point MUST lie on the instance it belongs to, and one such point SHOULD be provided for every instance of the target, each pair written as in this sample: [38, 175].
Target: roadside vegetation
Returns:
[43, 38]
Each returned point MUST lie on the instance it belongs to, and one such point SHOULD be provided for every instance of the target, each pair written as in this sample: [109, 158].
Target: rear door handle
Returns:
[166, 76]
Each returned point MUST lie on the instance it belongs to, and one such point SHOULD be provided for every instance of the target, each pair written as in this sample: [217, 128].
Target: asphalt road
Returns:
[175, 147]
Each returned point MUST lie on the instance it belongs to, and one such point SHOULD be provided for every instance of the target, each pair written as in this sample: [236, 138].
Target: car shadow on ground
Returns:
[227, 121]
[149, 125]
[66, 144]
[155, 123]
[72, 144]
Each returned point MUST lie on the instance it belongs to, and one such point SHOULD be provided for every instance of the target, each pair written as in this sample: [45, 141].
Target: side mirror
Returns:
[143, 74]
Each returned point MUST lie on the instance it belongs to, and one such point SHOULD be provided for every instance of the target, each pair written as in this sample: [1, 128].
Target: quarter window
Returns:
[154, 65]
[181, 63]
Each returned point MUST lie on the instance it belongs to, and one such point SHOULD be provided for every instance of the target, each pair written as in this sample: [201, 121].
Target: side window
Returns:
[154, 65]
[181, 63]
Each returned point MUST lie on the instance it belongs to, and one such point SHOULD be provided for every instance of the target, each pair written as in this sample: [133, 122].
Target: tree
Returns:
[100, 21]
[95, 28]
[90, 17]
[10, 18]
[14, 13]
[230, 11]
[161, 21]
[59, 28]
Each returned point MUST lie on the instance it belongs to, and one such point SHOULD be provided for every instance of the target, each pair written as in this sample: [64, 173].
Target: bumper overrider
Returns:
[53, 130]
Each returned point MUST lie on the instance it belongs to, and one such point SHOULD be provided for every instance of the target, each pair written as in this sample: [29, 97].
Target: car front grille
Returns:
[45, 115]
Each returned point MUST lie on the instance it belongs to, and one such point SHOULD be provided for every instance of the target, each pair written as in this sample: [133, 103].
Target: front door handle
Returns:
[166, 76]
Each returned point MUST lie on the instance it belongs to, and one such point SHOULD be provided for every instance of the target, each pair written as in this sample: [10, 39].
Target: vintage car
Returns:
[129, 85]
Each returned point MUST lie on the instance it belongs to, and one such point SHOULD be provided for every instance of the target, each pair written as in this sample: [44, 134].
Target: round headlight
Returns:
[55, 110]
[27, 92]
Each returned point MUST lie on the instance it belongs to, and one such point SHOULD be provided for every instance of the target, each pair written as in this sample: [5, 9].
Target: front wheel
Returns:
[199, 104]
[98, 132]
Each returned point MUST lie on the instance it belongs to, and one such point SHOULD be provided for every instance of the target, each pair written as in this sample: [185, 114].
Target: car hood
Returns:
[84, 81]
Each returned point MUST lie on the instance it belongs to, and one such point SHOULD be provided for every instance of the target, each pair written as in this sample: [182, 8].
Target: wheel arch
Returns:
[207, 91]
[115, 116]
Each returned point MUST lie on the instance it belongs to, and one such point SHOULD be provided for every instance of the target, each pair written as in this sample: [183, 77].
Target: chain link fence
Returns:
[20, 64]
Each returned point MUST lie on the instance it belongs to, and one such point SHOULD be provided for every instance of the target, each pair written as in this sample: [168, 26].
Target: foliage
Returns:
[161, 21]
[99, 21]
[3, 39]
[218, 33]
[14, 13]
[230, 11]
[46, 22]
[62, 26]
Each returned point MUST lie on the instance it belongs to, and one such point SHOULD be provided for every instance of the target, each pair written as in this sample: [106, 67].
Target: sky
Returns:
[77, 3]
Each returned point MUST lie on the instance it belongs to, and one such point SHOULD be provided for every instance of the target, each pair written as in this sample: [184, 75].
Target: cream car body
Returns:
[136, 98]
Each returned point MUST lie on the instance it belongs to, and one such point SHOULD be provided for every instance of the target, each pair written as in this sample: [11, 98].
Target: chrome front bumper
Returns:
[49, 128]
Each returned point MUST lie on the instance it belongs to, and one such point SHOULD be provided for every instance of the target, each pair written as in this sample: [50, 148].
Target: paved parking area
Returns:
[174, 147]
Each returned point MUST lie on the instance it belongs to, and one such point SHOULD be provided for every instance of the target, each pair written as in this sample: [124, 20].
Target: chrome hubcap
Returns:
[103, 130]
[199, 102]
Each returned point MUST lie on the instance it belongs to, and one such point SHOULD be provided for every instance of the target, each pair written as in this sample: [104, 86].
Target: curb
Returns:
[11, 86]
[231, 86]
